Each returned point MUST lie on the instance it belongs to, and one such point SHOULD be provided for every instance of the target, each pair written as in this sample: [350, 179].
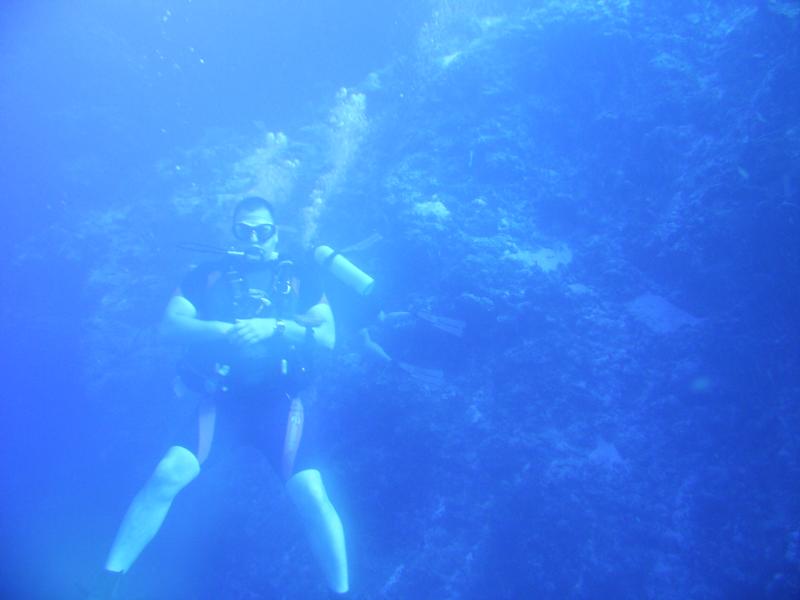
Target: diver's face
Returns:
[256, 228]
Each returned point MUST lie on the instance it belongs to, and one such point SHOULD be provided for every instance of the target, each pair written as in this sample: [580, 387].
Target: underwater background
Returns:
[604, 193]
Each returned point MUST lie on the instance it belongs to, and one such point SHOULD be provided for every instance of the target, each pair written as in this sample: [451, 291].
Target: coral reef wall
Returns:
[606, 194]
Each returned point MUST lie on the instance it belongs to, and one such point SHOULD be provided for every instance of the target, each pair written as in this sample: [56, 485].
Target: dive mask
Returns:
[244, 232]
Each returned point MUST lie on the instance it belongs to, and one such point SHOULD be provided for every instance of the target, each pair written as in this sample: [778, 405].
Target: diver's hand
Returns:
[246, 332]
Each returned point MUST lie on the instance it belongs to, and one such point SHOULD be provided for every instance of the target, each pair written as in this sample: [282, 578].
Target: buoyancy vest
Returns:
[233, 289]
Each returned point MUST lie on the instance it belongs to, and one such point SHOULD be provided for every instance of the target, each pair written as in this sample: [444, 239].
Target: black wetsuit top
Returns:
[233, 289]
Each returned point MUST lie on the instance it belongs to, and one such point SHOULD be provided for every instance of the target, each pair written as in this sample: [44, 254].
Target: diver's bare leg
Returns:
[149, 507]
[323, 526]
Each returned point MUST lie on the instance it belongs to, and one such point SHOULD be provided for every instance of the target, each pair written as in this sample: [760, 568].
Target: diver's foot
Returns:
[105, 586]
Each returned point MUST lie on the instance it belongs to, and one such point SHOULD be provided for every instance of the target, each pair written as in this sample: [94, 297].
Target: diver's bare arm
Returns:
[180, 323]
[321, 318]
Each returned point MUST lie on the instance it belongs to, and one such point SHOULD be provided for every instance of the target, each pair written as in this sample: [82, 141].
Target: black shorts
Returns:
[260, 417]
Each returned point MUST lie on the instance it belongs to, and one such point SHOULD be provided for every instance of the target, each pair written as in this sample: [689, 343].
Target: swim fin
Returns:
[396, 317]
[429, 377]
[451, 326]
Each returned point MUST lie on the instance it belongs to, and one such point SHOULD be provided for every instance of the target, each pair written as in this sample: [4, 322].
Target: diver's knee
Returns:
[178, 467]
[306, 488]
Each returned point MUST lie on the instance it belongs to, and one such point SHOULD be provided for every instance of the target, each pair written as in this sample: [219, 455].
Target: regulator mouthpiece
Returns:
[252, 254]
[345, 271]
[249, 254]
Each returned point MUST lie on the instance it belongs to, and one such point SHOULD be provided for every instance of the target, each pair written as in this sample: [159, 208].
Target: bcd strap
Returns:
[278, 292]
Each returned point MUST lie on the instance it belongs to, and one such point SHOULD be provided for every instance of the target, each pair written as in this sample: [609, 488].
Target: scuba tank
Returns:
[345, 271]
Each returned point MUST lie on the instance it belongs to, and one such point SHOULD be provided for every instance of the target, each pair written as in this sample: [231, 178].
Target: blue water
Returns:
[606, 194]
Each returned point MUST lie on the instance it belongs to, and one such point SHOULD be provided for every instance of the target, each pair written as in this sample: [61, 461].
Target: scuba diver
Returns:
[251, 323]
